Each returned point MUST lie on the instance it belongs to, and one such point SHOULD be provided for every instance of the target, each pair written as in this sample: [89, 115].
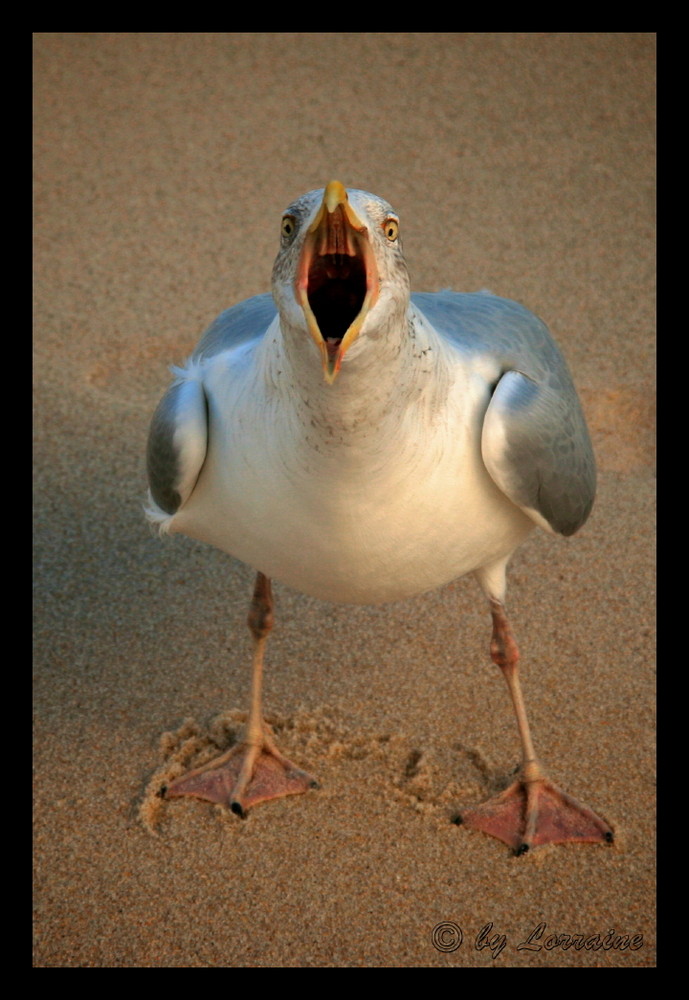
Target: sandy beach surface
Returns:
[523, 163]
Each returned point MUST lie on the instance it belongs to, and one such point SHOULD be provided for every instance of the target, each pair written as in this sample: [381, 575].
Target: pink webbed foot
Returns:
[532, 811]
[535, 812]
[254, 771]
[243, 777]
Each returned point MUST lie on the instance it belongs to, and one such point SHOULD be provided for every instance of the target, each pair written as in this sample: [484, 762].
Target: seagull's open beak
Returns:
[337, 278]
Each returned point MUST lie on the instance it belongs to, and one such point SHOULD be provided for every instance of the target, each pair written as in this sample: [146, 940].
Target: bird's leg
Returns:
[255, 770]
[532, 810]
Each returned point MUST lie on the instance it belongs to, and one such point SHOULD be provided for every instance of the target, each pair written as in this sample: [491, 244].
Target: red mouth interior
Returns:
[336, 290]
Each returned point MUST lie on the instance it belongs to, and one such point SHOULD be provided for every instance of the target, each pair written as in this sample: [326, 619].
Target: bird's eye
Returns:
[391, 229]
[288, 227]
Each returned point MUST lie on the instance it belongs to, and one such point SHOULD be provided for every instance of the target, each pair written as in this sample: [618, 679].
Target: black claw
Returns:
[457, 820]
[609, 837]
[162, 791]
[237, 809]
[522, 849]
[315, 784]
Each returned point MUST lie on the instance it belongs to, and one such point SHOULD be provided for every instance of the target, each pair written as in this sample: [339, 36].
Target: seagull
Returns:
[362, 444]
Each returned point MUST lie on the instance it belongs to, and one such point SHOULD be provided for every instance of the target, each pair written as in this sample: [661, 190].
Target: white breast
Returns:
[349, 511]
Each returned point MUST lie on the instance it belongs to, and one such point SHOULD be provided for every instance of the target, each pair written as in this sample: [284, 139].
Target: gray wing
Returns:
[534, 442]
[178, 436]
[177, 443]
[246, 321]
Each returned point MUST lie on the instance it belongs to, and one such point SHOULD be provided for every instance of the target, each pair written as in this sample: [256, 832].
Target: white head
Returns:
[340, 271]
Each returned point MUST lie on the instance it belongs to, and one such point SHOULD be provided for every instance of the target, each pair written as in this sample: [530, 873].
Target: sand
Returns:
[523, 163]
